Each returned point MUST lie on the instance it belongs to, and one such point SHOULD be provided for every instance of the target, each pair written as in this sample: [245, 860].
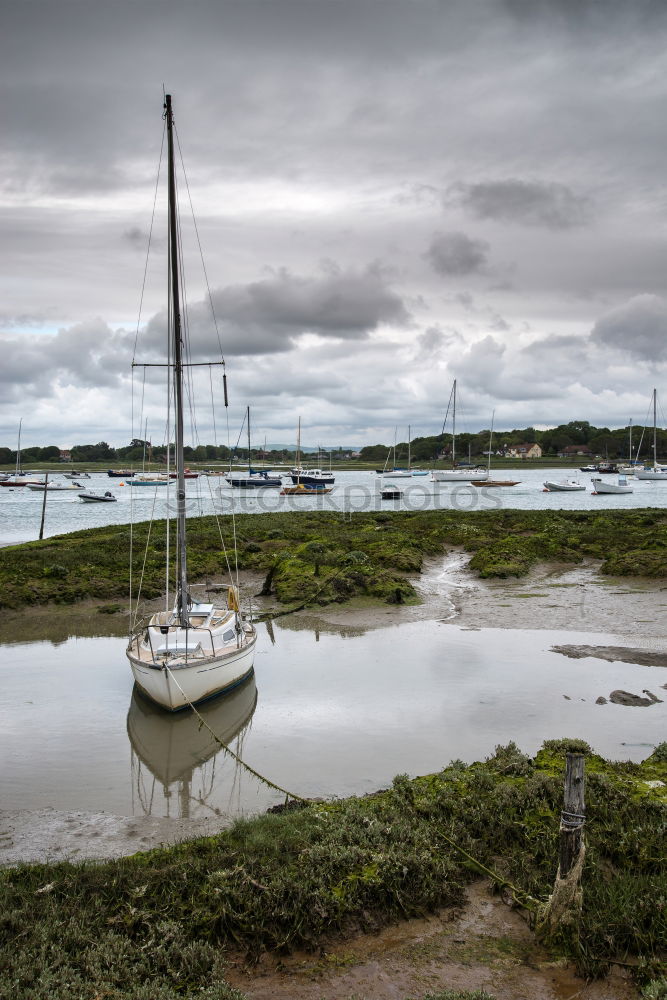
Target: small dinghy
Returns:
[97, 497]
[391, 493]
[562, 486]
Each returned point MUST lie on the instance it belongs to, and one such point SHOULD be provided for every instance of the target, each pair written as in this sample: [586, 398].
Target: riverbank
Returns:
[306, 880]
[315, 558]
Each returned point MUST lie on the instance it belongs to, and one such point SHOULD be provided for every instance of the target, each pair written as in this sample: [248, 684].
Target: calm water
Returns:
[328, 715]
[20, 509]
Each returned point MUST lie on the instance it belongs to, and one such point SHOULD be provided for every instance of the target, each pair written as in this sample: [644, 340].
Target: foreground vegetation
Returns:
[160, 925]
[323, 557]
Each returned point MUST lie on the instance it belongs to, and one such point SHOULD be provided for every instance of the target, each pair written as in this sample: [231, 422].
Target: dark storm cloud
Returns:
[456, 254]
[638, 327]
[525, 203]
[265, 316]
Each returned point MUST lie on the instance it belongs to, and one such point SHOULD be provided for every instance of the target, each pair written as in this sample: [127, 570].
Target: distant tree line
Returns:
[600, 440]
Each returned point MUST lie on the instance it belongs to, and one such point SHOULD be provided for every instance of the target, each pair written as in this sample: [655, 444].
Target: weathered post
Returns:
[564, 904]
[46, 488]
[573, 816]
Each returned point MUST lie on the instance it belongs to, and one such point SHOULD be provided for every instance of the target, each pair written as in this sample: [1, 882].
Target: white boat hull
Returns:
[600, 486]
[175, 686]
[653, 475]
[563, 487]
[459, 475]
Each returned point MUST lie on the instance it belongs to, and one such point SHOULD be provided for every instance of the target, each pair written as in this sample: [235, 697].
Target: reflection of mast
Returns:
[173, 748]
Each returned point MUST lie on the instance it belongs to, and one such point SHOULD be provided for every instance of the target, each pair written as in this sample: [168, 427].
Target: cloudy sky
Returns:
[389, 195]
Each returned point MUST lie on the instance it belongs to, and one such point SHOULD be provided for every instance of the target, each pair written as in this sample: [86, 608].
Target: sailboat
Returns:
[17, 478]
[311, 478]
[193, 650]
[455, 475]
[257, 479]
[396, 472]
[658, 472]
[488, 481]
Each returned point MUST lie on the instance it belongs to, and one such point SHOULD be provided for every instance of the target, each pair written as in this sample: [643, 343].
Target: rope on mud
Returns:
[228, 749]
[521, 898]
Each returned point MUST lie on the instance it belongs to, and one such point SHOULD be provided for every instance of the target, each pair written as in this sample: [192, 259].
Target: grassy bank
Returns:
[321, 557]
[160, 925]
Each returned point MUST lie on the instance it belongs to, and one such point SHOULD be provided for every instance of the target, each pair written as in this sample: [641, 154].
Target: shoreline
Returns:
[552, 596]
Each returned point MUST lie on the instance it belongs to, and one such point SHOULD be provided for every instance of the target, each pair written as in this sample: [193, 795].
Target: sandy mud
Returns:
[484, 946]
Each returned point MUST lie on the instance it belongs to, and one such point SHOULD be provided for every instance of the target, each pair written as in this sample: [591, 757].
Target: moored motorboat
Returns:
[562, 486]
[90, 497]
[54, 487]
[391, 493]
[120, 473]
[604, 486]
[312, 477]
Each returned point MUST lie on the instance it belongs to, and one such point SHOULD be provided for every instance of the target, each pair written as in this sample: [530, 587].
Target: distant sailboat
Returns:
[657, 472]
[488, 481]
[455, 475]
[257, 479]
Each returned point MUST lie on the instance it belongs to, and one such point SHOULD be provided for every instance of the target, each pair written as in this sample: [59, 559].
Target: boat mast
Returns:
[182, 600]
[488, 457]
[655, 425]
[18, 450]
[454, 425]
[630, 441]
[248, 419]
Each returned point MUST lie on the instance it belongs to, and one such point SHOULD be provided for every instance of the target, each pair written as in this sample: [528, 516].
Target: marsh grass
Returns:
[162, 922]
[321, 557]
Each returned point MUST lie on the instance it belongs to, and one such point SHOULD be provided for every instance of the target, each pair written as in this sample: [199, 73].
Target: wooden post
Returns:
[563, 908]
[41, 527]
[573, 815]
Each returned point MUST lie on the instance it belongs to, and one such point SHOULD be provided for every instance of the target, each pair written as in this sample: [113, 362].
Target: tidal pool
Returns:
[328, 714]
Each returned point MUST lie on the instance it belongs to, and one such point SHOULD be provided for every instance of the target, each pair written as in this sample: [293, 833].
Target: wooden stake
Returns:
[573, 815]
[41, 527]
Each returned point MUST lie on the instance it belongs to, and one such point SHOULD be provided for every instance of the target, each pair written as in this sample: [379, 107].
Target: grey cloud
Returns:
[638, 327]
[525, 203]
[434, 340]
[265, 316]
[87, 355]
[456, 254]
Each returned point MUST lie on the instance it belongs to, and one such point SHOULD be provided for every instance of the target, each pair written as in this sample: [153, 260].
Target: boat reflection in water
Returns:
[179, 754]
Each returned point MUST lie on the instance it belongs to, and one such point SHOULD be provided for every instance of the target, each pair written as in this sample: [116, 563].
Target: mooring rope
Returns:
[228, 749]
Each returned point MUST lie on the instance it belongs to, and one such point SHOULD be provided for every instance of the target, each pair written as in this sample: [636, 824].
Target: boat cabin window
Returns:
[229, 634]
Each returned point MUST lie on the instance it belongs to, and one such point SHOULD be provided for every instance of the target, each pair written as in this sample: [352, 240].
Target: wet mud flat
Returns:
[550, 596]
[484, 946]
